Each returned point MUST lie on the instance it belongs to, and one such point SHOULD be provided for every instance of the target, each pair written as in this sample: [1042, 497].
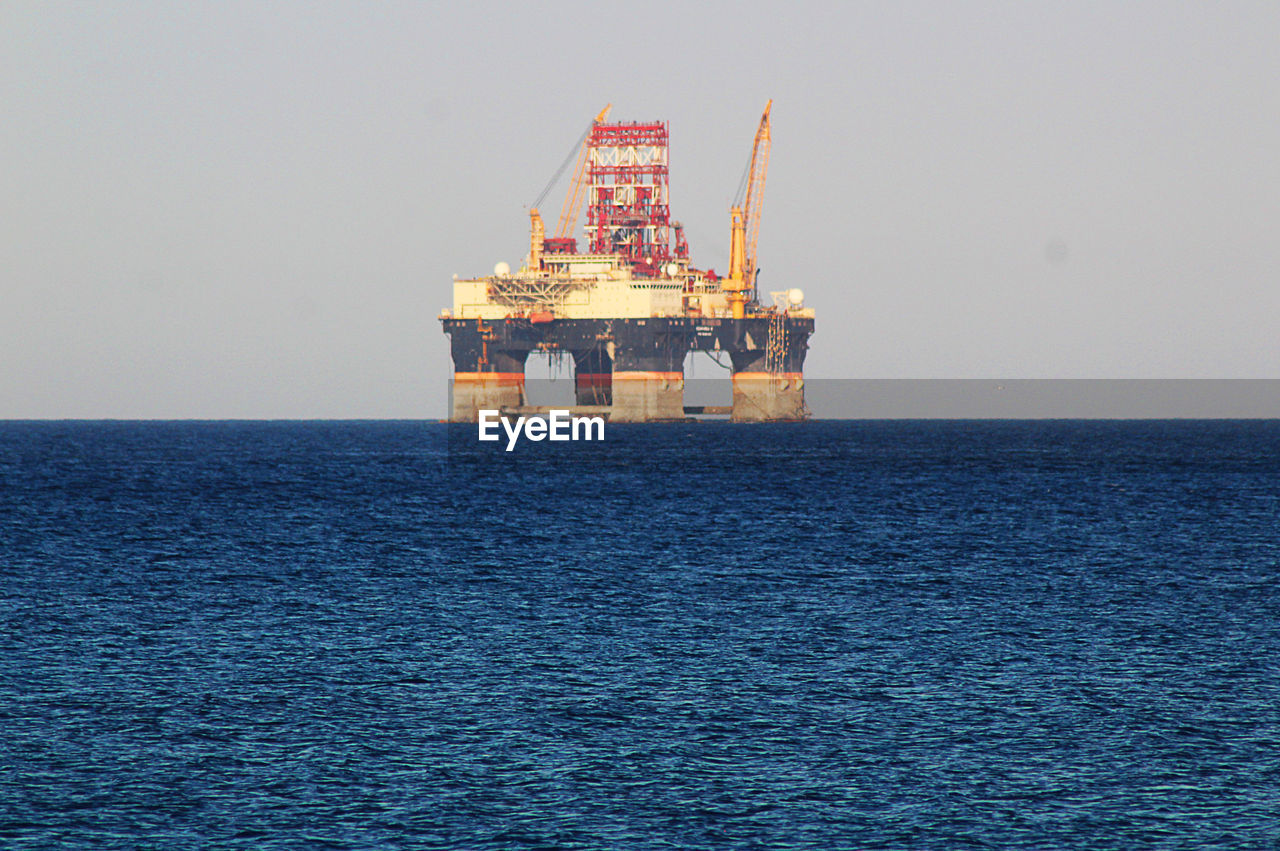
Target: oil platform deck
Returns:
[631, 307]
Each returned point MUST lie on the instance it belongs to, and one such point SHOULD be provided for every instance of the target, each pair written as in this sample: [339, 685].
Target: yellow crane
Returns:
[744, 223]
[573, 199]
[755, 192]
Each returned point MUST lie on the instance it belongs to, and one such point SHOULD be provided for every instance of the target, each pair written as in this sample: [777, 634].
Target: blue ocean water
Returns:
[938, 634]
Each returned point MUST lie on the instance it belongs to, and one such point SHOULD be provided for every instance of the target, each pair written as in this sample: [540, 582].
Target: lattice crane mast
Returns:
[563, 240]
[744, 225]
[577, 189]
[755, 194]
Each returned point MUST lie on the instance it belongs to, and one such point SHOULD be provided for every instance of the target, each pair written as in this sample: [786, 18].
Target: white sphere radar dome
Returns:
[672, 269]
[501, 268]
[795, 295]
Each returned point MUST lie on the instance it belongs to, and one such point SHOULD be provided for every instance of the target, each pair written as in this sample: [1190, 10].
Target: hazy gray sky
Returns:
[255, 209]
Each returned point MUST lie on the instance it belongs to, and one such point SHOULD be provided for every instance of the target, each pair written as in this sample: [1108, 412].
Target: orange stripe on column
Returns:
[490, 377]
[648, 376]
[757, 376]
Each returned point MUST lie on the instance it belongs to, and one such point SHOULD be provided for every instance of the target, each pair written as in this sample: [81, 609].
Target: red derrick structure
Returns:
[627, 210]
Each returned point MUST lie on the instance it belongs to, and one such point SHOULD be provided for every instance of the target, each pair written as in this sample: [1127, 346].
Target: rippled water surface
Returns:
[840, 634]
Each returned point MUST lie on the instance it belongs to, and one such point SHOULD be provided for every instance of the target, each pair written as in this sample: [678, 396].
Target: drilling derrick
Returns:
[630, 306]
[627, 210]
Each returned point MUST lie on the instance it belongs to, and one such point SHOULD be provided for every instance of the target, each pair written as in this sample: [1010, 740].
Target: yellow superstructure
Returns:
[555, 283]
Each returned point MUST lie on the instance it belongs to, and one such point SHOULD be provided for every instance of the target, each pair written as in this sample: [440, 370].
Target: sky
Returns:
[255, 210]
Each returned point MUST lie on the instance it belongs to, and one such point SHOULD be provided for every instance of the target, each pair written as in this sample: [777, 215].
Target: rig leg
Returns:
[473, 392]
[640, 396]
[768, 397]
[768, 371]
[593, 377]
[488, 369]
[648, 371]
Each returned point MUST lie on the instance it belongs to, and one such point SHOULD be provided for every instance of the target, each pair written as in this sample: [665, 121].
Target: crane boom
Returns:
[573, 199]
[755, 194]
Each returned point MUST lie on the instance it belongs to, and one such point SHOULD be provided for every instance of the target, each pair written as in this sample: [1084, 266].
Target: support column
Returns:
[645, 396]
[488, 370]
[768, 377]
[593, 377]
[473, 392]
[768, 397]
[648, 371]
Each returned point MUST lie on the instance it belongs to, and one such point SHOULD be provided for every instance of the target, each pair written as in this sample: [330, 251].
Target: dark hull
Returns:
[634, 365]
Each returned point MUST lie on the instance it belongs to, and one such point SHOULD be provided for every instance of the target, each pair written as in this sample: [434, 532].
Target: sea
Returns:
[834, 634]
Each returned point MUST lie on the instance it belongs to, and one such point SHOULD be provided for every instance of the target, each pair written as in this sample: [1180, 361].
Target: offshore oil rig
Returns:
[631, 306]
